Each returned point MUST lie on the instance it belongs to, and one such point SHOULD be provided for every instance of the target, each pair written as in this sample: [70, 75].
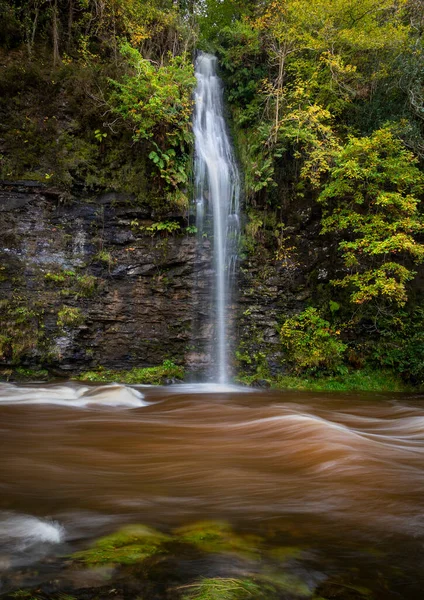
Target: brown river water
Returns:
[341, 475]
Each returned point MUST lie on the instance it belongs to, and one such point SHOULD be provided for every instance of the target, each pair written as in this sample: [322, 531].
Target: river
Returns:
[338, 476]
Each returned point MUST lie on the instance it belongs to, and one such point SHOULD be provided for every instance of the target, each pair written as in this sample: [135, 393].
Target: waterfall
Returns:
[217, 188]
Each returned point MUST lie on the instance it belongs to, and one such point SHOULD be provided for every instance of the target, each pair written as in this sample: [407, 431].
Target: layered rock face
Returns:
[101, 281]
[89, 282]
[276, 284]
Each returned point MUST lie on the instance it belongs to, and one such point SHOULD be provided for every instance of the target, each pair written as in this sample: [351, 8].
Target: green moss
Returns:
[286, 583]
[21, 329]
[213, 536]
[127, 546]
[103, 256]
[55, 277]
[86, 285]
[285, 553]
[69, 316]
[222, 589]
[22, 373]
[148, 376]
[72, 284]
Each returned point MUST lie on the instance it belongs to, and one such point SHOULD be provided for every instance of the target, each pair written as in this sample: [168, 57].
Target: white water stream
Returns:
[217, 196]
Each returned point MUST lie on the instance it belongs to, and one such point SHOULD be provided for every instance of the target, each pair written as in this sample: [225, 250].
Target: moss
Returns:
[86, 285]
[22, 374]
[103, 256]
[285, 553]
[148, 376]
[127, 546]
[69, 316]
[21, 329]
[222, 589]
[71, 283]
[286, 583]
[213, 536]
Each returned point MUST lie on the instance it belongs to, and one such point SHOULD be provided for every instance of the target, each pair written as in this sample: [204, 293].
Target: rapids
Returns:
[338, 472]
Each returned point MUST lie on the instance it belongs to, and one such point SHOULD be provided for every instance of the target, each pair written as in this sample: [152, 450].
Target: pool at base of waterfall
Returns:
[209, 492]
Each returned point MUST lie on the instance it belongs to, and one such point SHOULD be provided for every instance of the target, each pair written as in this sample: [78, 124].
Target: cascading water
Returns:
[217, 195]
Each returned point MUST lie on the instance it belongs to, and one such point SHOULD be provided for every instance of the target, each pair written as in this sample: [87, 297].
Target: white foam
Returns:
[78, 396]
[25, 531]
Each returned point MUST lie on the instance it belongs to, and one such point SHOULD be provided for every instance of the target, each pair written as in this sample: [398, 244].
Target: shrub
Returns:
[372, 203]
[310, 343]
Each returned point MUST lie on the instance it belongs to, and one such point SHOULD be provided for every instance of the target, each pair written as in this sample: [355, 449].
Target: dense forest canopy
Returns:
[326, 106]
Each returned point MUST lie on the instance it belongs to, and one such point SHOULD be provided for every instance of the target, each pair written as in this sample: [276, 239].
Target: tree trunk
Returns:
[55, 31]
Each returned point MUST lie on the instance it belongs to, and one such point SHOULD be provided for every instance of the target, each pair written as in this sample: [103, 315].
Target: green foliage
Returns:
[156, 101]
[311, 344]
[160, 227]
[401, 344]
[361, 380]
[371, 202]
[99, 135]
[148, 375]
[296, 70]
[72, 104]
[69, 316]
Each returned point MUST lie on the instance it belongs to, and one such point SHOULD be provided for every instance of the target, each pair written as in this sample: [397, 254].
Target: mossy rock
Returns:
[129, 545]
[285, 553]
[159, 375]
[222, 589]
[285, 583]
[218, 537]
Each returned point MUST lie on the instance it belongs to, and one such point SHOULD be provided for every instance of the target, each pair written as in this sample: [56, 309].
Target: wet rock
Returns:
[144, 285]
[261, 383]
[337, 589]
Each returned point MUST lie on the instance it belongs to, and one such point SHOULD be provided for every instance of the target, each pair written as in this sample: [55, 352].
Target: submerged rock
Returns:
[127, 546]
[214, 536]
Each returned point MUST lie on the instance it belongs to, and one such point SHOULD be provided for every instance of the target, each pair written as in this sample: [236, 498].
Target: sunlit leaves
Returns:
[311, 343]
[371, 202]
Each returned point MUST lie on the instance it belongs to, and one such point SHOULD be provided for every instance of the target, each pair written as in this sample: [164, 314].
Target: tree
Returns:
[371, 203]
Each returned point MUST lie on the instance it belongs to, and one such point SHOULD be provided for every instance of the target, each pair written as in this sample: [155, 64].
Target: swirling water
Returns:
[341, 475]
